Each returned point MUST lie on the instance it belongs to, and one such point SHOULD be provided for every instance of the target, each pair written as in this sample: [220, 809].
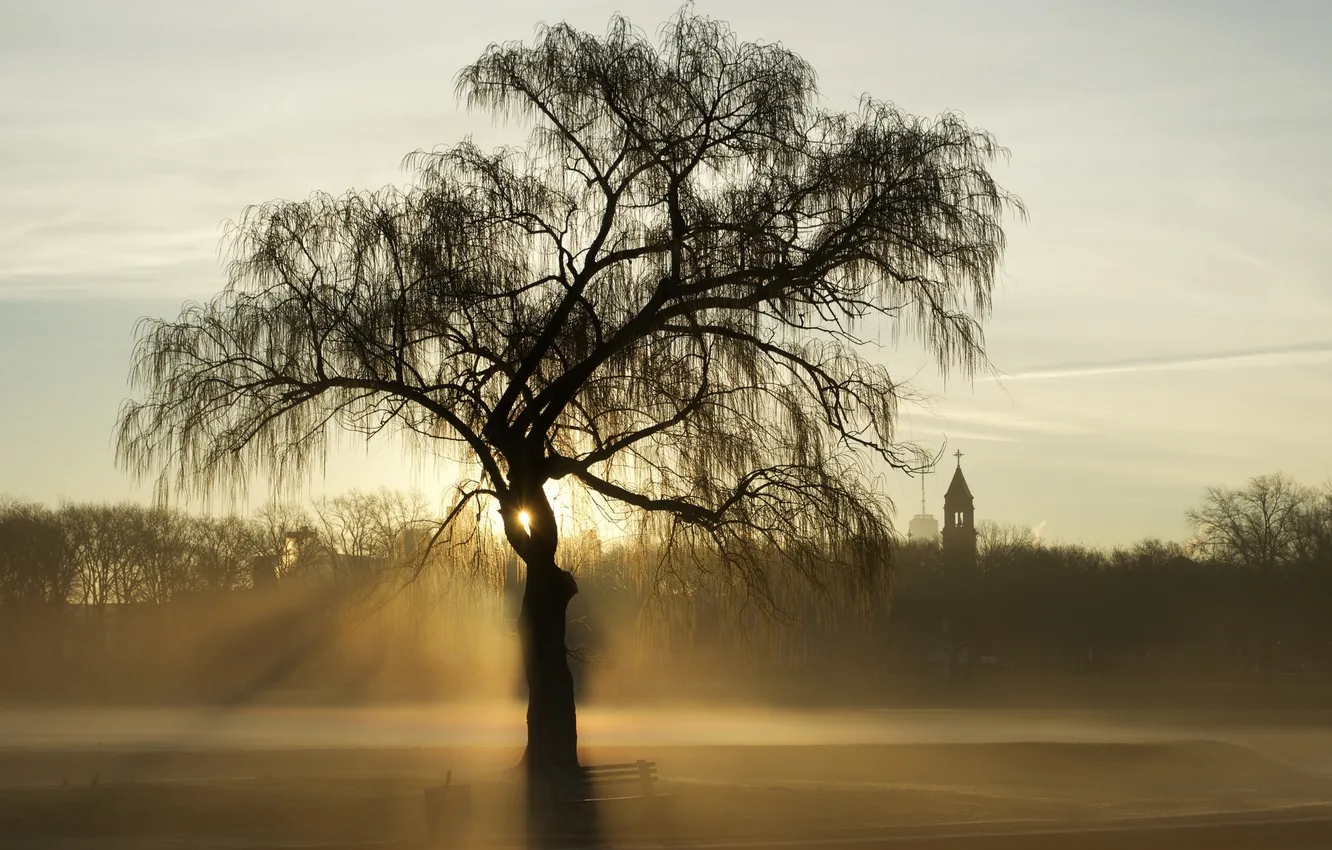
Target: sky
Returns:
[1163, 323]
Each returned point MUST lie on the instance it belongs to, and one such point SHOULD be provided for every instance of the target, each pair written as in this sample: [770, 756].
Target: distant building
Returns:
[264, 571]
[411, 544]
[923, 527]
[959, 531]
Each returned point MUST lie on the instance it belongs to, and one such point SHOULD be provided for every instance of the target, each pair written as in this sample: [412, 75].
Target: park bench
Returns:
[596, 786]
[603, 782]
[571, 796]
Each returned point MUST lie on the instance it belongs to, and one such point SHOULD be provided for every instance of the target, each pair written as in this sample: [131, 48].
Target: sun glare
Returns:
[526, 519]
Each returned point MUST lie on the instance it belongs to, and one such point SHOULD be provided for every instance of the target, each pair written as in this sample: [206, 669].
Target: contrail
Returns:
[1276, 356]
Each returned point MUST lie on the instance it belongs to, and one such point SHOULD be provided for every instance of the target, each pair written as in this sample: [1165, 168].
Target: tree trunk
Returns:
[551, 758]
[552, 731]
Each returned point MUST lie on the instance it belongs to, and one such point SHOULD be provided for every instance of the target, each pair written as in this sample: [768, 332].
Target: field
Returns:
[292, 777]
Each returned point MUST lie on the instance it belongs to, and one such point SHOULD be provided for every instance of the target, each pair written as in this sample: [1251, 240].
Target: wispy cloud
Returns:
[1279, 356]
[1004, 420]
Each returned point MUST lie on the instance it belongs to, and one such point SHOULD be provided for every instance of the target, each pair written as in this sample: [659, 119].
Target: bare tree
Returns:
[34, 556]
[285, 537]
[163, 553]
[997, 542]
[1256, 527]
[223, 550]
[1313, 538]
[371, 531]
[661, 297]
[103, 547]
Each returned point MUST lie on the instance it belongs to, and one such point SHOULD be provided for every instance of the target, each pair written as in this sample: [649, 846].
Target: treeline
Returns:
[1248, 593]
[345, 598]
[101, 554]
[134, 601]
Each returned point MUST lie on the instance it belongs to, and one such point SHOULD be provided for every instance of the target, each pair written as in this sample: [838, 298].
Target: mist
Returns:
[309, 686]
[648, 334]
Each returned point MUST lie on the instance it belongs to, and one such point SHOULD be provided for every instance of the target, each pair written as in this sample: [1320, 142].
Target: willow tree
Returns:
[660, 297]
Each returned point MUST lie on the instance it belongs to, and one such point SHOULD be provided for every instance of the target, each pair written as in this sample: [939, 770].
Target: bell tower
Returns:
[959, 526]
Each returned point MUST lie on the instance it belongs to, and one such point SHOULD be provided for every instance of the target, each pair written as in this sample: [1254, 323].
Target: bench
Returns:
[606, 781]
[580, 796]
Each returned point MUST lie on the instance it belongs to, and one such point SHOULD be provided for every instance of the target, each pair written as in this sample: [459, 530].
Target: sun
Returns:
[526, 519]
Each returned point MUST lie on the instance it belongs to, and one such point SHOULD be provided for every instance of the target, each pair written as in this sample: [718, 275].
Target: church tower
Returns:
[959, 531]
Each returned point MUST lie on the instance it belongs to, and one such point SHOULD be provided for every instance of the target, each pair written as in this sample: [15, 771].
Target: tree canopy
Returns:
[660, 296]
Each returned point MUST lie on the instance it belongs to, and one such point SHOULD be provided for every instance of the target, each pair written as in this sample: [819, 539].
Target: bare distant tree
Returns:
[661, 297]
[34, 556]
[1002, 540]
[163, 553]
[370, 528]
[1313, 539]
[103, 545]
[1256, 527]
[285, 536]
[223, 550]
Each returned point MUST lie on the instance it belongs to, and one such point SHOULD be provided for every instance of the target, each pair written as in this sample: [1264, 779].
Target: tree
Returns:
[103, 547]
[1257, 527]
[284, 540]
[34, 557]
[163, 552]
[1313, 537]
[366, 534]
[1000, 544]
[224, 548]
[660, 297]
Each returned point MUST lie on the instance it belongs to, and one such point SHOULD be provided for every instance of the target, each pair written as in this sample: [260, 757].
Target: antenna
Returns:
[922, 492]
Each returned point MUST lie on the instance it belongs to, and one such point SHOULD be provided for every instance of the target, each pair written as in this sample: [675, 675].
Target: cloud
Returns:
[1315, 352]
[980, 436]
[1005, 421]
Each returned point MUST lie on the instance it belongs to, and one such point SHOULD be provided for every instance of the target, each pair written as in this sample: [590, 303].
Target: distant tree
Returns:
[1313, 537]
[997, 544]
[163, 553]
[103, 546]
[659, 298]
[285, 537]
[1256, 527]
[371, 528]
[223, 550]
[34, 556]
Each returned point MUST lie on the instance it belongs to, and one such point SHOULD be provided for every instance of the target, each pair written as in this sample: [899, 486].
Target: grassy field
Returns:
[806, 795]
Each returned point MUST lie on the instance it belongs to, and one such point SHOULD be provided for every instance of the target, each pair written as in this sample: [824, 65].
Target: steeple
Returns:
[958, 489]
[959, 531]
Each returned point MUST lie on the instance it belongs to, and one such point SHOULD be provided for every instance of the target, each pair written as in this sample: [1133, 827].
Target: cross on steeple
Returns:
[958, 455]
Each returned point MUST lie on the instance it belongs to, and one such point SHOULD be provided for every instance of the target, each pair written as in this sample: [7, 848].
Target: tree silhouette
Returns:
[1257, 527]
[34, 556]
[658, 297]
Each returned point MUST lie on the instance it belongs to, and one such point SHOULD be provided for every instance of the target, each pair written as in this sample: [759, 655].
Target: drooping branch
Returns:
[661, 295]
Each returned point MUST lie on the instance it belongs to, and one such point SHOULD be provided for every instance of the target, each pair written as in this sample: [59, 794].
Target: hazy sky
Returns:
[1165, 318]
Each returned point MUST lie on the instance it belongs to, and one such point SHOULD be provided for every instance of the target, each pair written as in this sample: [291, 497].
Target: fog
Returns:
[1047, 693]
[279, 775]
[1302, 735]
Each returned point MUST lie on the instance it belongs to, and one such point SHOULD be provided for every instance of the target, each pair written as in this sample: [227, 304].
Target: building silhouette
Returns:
[923, 527]
[959, 531]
